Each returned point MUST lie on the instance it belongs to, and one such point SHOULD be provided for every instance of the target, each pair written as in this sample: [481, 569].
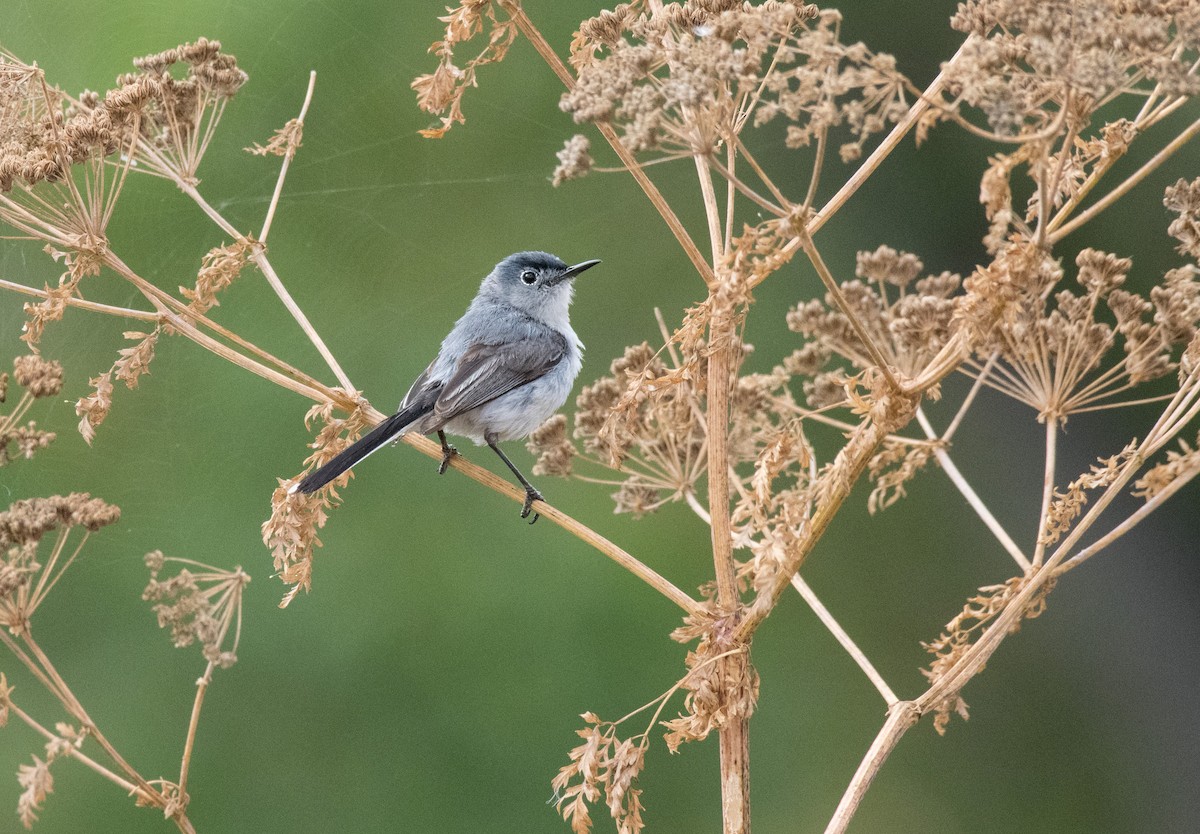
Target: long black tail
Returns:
[365, 445]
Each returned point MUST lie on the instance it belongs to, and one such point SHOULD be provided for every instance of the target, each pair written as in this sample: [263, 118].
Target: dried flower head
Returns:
[1183, 198]
[200, 604]
[574, 160]
[908, 320]
[39, 377]
[554, 450]
[1055, 350]
[180, 114]
[685, 77]
[24, 581]
[1029, 61]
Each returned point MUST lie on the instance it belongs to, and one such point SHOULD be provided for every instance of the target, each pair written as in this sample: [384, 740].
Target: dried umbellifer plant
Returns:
[1062, 90]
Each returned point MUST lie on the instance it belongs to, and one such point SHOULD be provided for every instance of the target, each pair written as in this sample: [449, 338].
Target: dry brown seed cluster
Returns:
[1031, 60]
[554, 450]
[200, 604]
[574, 160]
[907, 319]
[687, 77]
[39, 378]
[180, 114]
[22, 527]
[1055, 350]
[1183, 198]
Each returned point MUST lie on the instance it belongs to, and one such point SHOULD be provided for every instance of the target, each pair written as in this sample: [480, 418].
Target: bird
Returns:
[505, 368]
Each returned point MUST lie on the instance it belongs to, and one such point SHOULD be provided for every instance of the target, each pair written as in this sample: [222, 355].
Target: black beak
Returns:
[571, 272]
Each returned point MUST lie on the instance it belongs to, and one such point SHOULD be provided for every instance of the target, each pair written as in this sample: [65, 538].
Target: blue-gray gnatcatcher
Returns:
[505, 368]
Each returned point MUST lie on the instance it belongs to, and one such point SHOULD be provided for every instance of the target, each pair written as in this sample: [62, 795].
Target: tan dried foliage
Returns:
[952, 645]
[80, 265]
[441, 91]
[1068, 505]
[5, 700]
[291, 531]
[1180, 464]
[284, 142]
[893, 466]
[219, 267]
[95, 406]
[36, 784]
[604, 765]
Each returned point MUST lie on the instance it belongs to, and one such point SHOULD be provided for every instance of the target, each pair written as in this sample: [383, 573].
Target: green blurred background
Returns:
[432, 680]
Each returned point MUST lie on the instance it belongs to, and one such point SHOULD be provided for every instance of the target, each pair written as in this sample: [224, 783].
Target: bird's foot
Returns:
[448, 452]
[531, 495]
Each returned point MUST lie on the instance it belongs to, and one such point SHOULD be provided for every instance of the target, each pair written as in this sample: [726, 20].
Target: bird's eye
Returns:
[529, 276]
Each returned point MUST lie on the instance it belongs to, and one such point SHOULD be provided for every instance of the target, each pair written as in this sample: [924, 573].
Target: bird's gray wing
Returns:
[421, 389]
[486, 371]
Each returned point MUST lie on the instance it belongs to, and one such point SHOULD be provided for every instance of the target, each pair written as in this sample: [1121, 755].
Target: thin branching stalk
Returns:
[972, 498]
[827, 619]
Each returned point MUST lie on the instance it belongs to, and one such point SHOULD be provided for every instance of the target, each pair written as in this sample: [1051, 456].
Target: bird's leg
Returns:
[448, 452]
[531, 493]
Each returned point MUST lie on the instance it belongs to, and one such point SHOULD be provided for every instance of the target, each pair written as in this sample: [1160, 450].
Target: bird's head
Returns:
[536, 282]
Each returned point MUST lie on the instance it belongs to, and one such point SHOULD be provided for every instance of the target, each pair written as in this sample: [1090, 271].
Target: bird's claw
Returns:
[447, 453]
[531, 495]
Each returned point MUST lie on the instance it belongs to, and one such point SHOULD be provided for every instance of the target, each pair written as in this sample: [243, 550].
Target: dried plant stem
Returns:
[734, 735]
[287, 161]
[884, 149]
[975, 658]
[839, 633]
[1039, 552]
[83, 758]
[1121, 190]
[968, 400]
[847, 467]
[193, 723]
[835, 293]
[124, 312]
[259, 257]
[76, 709]
[182, 325]
[535, 37]
[572, 526]
[976, 503]
[901, 716]
[1179, 482]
